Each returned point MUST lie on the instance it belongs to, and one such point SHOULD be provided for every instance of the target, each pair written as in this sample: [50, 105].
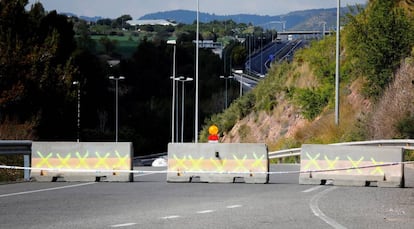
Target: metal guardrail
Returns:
[285, 153]
[15, 147]
[405, 143]
[150, 156]
[18, 147]
[147, 160]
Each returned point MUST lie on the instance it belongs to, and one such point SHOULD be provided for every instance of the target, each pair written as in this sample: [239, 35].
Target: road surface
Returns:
[150, 202]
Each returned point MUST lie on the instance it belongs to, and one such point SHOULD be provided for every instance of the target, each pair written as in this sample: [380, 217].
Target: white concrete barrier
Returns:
[81, 161]
[218, 162]
[352, 165]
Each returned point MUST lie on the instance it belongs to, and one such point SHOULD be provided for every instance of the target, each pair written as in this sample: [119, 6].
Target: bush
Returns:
[377, 39]
[406, 127]
[8, 175]
[226, 120]
[409, 155]
[311, 101]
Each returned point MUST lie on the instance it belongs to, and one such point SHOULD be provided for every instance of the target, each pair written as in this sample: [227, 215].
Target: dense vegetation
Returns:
[375, 43]
[43, 53]
[377, 39]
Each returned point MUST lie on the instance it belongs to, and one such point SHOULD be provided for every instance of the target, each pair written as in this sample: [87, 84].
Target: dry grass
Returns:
[13, 130]
[304, 77]
[324, 130]
[396, 104]
[7, 175]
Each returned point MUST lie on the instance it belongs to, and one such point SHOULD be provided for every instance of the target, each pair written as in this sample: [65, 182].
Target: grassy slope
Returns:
[271, 114]
[276, 120]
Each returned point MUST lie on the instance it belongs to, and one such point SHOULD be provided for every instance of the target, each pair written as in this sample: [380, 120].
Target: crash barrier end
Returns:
[81, 161]
[218, 163]
[352, 165]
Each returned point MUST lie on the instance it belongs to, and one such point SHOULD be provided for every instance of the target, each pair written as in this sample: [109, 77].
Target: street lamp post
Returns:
[241, 85]
[225, 79]
[196, 74]
[175, 109]
[240, 74]
[337, 72]
[116, 103]
[174, 43]
[78, 121]
[261, 53]
[183, 80]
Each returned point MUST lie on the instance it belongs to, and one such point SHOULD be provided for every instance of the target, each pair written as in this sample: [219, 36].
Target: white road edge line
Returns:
[205, 211]
[155, 172]
[234, 206]
[171, 217]
[317, 212]
[45, 190]
[123, 225]
[312, 189]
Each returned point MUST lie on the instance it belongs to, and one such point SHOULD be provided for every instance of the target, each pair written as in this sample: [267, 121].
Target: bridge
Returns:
[304, 32]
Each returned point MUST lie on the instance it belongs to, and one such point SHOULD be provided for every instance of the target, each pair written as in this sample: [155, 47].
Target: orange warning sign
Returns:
[213, 134]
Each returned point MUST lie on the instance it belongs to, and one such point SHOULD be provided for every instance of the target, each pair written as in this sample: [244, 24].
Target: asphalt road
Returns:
[150, 202]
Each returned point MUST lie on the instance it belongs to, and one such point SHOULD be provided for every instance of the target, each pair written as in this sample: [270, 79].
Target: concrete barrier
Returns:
[218, 162]
[352, 165]
[72, 161]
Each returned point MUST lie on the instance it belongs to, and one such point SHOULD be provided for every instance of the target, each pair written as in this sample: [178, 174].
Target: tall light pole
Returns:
[225, 79]
[196, 74]
[261, 54]
[183, 80]
[240, 73]
[174, 43]
[337, 72]
[323, 28]
[78, 122]
[116, 103]
[241, 85]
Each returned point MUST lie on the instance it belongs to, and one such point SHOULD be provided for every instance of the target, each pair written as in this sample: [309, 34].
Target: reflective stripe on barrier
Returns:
[59, 158]
[365, 164]
[14, 167]
[218, 162]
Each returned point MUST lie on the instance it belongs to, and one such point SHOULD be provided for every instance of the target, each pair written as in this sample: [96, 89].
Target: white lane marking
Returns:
[146, 174]
[313, 189]
[45, 190]
[205, 211]
[201, 212]
[123, 225]
[317, 212]
[234, 206]
[171, 217]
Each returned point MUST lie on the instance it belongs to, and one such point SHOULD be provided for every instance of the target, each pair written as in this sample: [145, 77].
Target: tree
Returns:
[120, 22]
[36, 70]
[378, 39]
[108, 44]
[105, 21]
[84, 40]
[238, 56]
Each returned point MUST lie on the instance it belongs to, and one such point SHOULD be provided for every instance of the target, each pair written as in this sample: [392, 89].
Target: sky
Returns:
[138, 8]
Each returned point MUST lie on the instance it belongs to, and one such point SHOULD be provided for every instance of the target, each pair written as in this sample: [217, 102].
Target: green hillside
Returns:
[294, 104]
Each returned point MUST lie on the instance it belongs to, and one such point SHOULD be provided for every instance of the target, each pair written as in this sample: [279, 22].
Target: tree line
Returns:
[41, 56]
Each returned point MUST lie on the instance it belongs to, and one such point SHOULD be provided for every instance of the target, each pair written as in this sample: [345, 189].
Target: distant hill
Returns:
[90, 19]
[296, 20]
[306, 19]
